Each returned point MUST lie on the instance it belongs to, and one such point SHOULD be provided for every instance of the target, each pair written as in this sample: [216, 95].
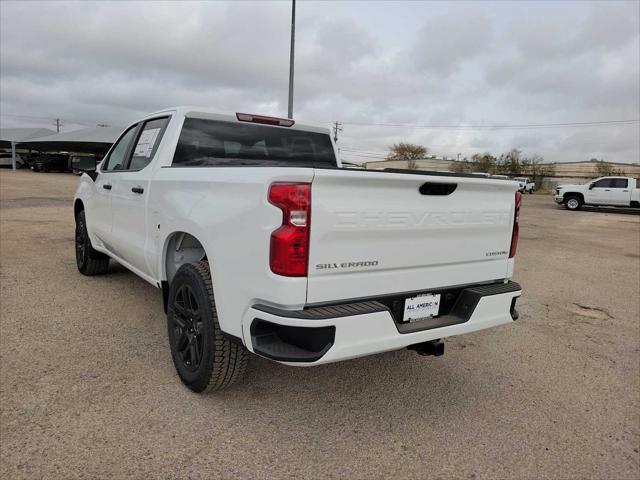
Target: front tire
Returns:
[89, 261]
[205, 360]
[573, 203]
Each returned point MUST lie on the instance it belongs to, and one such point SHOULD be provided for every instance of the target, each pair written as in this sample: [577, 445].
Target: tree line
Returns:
[512, 163]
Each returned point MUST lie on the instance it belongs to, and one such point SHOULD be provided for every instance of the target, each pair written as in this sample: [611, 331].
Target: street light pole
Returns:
[293, 41]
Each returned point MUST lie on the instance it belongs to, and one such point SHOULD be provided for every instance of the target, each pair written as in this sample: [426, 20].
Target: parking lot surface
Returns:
[88, 389]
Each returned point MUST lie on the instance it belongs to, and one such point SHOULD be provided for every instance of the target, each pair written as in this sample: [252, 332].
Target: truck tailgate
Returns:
[376, 233]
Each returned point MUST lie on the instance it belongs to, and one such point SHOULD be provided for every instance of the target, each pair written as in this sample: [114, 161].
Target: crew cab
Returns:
[604, 191]
[525, 185]
[261, 243]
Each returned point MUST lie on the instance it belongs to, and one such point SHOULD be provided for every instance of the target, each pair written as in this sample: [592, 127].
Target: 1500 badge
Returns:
[328, 266]
[496, 254]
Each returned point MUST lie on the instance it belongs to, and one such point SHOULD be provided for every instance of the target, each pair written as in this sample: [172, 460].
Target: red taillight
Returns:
[516, 226]
[289, 252]
[249, 117]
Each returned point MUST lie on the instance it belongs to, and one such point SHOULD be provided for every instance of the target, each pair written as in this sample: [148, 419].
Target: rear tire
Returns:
[205, 360]
[89, 261]
[573, 203]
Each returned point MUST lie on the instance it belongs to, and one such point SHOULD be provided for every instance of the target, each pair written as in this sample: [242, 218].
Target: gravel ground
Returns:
[87, 387]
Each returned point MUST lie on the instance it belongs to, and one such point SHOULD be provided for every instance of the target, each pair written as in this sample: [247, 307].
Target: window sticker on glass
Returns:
[146, 142]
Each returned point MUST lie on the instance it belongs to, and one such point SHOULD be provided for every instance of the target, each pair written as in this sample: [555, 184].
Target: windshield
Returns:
[216, 143]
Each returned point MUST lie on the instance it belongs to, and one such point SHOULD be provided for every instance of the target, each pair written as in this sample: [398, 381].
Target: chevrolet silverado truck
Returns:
[603, 191]
[525, 185]
[261, 243]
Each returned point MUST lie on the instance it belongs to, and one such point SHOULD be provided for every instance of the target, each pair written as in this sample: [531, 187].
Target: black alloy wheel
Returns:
[205, 359]
[186, 325]
[81, 241]
[88, 260]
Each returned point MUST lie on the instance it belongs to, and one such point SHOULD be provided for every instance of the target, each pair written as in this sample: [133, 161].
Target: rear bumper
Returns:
[327, 334]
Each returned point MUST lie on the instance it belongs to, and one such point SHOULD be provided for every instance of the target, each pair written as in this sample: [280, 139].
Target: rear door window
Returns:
[619, 183]
[147, 143]
[215, 143]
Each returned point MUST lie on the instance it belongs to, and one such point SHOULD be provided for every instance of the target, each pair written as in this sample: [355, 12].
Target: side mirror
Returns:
[591, 186]
[86, 165]
[88, 169]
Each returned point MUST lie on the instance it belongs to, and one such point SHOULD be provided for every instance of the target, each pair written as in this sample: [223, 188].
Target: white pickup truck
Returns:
[525, 185]
[260, 242]
[603, 191]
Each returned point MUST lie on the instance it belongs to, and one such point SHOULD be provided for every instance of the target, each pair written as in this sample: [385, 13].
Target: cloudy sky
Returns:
[390, 71]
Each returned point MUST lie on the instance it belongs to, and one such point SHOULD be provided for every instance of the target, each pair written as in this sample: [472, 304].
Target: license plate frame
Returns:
[421, 307]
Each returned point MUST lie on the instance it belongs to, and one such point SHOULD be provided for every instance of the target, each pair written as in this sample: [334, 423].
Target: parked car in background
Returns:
[50, 162]
[604, 191]
[525, 185]
[261, 242]
[7, 161]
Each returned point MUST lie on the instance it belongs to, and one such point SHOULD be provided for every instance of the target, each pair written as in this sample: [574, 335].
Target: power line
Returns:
[33, 117]
[359, 150]
[502, 126]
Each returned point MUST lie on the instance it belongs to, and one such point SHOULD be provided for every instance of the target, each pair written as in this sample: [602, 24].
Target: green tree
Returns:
[462, 166]
[536, 169]
[510, 163]
[606, 169]
[483, 163]
[408, 152]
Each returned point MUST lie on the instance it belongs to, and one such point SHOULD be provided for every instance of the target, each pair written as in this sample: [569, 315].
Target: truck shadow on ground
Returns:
[385, 384]
[372, 396]
[620, 211]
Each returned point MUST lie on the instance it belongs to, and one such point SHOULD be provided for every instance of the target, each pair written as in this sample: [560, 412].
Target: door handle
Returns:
[137, 190]
[607, 190]
[625, 190]
[106, 186]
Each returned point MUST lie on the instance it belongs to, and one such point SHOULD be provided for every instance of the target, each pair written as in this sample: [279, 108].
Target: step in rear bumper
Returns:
[333, 333]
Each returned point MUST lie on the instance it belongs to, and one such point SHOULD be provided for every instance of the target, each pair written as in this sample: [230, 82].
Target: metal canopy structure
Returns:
[9, 137]
[17, 135]
[86, 140]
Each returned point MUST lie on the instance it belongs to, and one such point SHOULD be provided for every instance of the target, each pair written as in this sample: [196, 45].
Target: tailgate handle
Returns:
[430, 188]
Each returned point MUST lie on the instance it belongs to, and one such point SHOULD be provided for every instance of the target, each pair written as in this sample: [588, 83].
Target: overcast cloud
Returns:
[360, 63]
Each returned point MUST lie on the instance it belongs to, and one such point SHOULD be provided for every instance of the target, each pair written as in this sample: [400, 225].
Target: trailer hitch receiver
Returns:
[432, 347]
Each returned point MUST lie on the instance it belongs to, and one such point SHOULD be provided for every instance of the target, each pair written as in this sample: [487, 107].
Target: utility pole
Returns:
[293, 42]
[58, 124]
[337, 127]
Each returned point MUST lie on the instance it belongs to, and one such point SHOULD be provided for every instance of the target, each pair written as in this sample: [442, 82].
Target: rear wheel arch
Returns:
[180, 248]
